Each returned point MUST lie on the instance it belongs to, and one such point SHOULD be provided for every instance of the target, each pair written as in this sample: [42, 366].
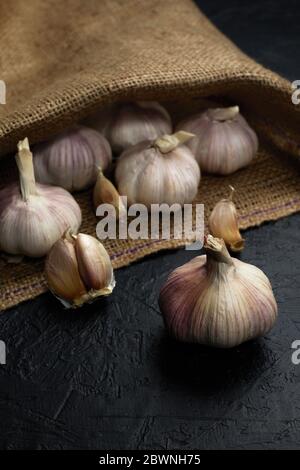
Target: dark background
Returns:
[108, 376]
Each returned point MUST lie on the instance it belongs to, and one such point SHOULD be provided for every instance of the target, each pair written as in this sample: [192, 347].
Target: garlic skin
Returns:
[78, 269]
[224, 141]
[160, 171]
[71, 158]
[34, 216]
[217, 300]
[106, 193]
[62, 272]
[127, 124]
[223, 223]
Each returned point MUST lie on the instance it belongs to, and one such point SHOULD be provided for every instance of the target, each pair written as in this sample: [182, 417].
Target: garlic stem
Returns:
[100, 171]
[224, 114]
[167, 143]
[216, 251]
[26, 172]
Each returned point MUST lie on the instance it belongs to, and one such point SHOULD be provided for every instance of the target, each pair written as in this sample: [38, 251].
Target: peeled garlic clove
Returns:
[160, 171]
[70, 159]
[34, 216]
[62, 272]
[127, 124]
[78, 269]
[224, 141]
[106, 193]
[217, 300]
[223, 223]
[94, 265]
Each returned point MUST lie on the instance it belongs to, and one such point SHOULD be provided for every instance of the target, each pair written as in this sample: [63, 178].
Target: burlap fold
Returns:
[61, 60]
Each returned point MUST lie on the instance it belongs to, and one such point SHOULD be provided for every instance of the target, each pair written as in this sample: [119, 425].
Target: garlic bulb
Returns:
[106, 193]
[78, 269]
[217, 300]
[224, 141]
[34, 216]
[223, 223]
[127, 124]
[163, 171]
[71, 158]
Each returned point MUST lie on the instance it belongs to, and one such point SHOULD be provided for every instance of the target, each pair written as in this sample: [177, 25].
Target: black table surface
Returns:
[109, 377]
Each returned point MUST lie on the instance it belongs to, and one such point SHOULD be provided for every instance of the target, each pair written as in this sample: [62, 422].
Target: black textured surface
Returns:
[108, 376]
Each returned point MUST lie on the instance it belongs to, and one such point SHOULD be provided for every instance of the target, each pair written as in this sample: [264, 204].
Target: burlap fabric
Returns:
[61, 60]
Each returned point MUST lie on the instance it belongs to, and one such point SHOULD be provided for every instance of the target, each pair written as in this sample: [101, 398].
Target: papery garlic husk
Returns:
[127, 124]
[224, 141]
[34, 216]
[78, 269]
[71, 158]
[217, 300]
[160, 171]
[223, 223]
[106, 193]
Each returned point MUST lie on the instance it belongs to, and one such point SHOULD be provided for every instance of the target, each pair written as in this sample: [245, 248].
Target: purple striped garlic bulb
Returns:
[217, 300]
[160, 171]
[224, 142]
[34, 216]
[70, 159]
[127, 124]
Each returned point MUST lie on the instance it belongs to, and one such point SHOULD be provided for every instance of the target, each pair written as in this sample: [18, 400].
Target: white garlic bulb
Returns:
[217, 300]
[224, 141]
[71, 158]
[163, 171]
[126, 124]
[223, 223]
[78, 269]
[34, 216]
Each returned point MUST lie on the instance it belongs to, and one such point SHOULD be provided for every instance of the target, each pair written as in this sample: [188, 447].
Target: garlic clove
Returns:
[224, 142]
[217, 300]
[78, 269]
[94, 265]
[223, 223]
[70, 159]
[62, 272]
[106, 193]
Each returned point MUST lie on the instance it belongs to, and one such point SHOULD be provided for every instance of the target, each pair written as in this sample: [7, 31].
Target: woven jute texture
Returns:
[61, 60]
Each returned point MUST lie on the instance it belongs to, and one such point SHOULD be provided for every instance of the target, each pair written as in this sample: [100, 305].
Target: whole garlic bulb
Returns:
[163, 171]
[127, 124]
[70, 160]
[78, 269]
[34, 216]
[224, 141]
[217, 300]
[223, 223]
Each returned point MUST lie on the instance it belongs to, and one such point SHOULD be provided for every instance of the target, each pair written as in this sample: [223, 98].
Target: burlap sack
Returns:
[61, 60]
